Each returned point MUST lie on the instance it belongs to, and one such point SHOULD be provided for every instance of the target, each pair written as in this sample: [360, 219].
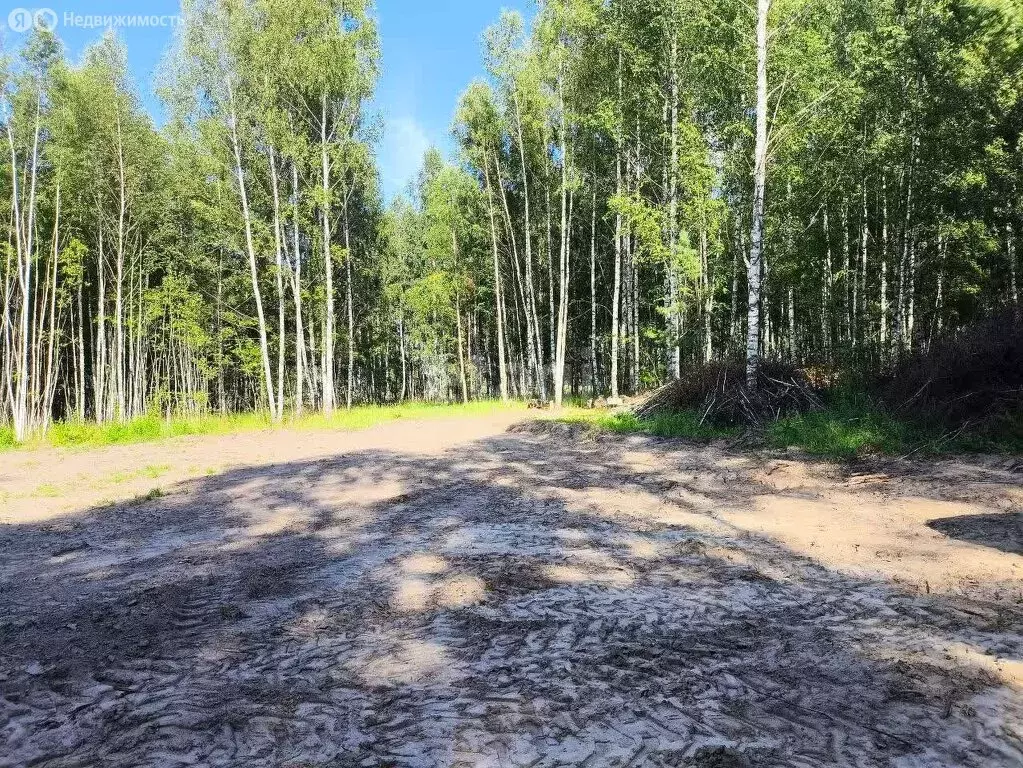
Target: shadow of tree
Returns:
[521, 600]
[1003, 531]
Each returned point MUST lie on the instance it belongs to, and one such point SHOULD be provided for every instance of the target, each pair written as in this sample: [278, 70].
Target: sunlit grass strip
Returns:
[843, 431]
[154, 428]
[684, 425]
[833, 433]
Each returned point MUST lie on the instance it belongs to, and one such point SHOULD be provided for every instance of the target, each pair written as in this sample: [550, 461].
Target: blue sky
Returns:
[430, 52]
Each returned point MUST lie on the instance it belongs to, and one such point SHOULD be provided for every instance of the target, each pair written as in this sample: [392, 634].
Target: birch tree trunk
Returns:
[552, 312]
[593, 295]
[860, 288]
[80, 393]
[907, 238]
[560, 352]
[532, 340]
[884, 319]
[279, 279]
[616, 298]
[708, 294]
[404, 357]
[828, 288]
[759, 190]
[846, 275]
[673, 309]
[7, 410]
[24, 230]
[349, 302]
[100, 365]
[119, 372]
[328, 267]
[939, 301]
[46, 409]
[296, 290]
[911, 288]
[502, 372]
[463, 381]
[251, 250]
[634, 318]
[530, 289]
[1010, 248]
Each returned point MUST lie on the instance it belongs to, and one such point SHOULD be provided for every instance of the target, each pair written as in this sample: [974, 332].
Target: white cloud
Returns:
[401, 153]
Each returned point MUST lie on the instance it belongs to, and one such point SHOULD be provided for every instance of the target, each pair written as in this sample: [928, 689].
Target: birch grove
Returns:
[635, 189]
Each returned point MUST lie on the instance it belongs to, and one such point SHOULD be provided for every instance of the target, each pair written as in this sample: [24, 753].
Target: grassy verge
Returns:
[153, 428]
[844, 432]
[673, 425]
[847, 430]
[841, 431]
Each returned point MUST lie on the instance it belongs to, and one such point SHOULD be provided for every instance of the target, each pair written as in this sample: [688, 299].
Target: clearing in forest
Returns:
[455, 593]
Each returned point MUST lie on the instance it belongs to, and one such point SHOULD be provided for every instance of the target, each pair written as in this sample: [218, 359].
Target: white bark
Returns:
[759, 191]
[593, 293]
[528, 226]
[328, 267]
[616, 298]
[119, 361]
[828, 286]
[251, 251]
[885, 321]
[279, 280]
[498, 298]
[350, 305]
[562, 335]
[1010, 247]
[296, 289]
[673, 309]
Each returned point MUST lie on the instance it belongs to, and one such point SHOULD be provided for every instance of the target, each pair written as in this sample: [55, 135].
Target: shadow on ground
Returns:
[522, 600]
[1003, 531]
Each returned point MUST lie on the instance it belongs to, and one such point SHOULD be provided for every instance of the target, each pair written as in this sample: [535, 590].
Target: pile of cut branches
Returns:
[720, 394]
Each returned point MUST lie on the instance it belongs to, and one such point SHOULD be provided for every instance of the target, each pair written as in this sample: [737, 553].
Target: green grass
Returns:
[844, 430]
[851, 428]
[47, 490]
[152, 471]
[154, 428]
[674, 425]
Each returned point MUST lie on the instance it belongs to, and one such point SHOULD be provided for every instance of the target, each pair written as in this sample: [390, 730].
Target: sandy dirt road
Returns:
[453, 593]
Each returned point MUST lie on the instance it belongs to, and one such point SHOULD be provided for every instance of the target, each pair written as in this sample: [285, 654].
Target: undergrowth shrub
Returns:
[972, 380]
